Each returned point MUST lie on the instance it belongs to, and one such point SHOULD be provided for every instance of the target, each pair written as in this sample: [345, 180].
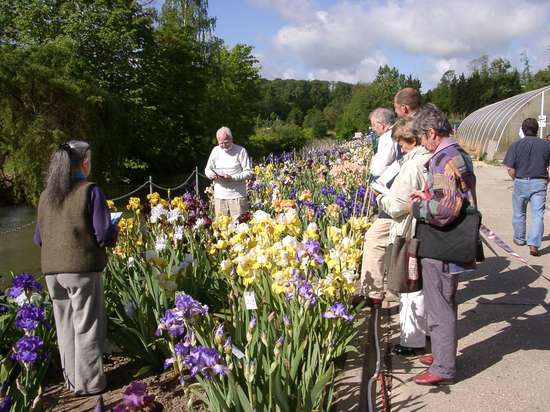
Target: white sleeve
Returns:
[210, 165]
[246, 165]
[385, 155]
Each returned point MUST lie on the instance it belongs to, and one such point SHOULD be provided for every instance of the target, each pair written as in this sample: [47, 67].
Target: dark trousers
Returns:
[439, 297]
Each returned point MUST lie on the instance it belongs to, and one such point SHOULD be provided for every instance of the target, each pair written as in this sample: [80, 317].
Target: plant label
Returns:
[250, 301]
[237, 352]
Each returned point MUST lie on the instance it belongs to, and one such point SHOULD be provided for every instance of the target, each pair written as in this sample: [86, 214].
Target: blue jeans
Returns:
[531, 191]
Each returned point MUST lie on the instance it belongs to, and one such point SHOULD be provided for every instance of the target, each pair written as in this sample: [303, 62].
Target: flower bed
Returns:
[248, 314]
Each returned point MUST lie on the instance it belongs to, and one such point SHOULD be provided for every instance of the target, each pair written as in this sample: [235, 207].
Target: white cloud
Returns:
[347, 40]
[292, 10]
[457, 27]
[332, 40]
[437, 67]
[365, 71]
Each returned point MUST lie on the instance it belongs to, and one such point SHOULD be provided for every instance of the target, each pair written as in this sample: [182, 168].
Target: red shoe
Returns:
[427, 359]
[426, 378]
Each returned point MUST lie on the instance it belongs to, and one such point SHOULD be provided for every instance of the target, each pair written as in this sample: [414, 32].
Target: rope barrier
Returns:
[130, 193]
[149, 183]
[170, 189]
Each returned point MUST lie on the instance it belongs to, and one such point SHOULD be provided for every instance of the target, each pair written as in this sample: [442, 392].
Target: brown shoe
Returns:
[534, 251]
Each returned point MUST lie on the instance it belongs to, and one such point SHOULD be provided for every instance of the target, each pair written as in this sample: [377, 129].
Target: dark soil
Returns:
[120, 371]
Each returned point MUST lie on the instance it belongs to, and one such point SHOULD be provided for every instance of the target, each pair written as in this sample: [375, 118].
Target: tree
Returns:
[442, 95]
[526, 75]
[41, 105]
[277, 138]
[295, 116]
[366, 98]
[315, 121]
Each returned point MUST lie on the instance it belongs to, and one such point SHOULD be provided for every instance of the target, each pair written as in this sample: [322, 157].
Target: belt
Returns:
[531, 178]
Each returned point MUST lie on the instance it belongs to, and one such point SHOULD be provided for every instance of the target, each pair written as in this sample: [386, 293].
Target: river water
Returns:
[17, 251]
[19, 254]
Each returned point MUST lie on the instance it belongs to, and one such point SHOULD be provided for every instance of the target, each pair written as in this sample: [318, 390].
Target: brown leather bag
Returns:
[403, 265]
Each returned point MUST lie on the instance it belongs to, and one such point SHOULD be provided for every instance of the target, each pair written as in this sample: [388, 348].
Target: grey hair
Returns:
[66, 160]
[383, 115]
[431, 117]
[224, 130]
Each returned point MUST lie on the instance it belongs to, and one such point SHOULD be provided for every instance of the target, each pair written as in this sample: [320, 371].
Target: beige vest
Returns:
[68, 241]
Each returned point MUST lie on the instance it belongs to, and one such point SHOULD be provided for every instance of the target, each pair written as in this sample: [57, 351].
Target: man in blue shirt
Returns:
[527, 161]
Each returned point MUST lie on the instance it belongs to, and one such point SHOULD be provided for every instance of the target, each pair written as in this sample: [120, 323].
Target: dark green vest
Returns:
[68, 241]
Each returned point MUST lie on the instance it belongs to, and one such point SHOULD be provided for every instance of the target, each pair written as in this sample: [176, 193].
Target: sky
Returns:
[345, 40]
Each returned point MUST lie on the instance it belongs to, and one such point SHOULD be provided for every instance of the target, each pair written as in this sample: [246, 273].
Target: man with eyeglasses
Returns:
[229, 167]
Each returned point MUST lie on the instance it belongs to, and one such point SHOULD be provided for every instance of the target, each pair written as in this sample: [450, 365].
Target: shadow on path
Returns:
[523, 331]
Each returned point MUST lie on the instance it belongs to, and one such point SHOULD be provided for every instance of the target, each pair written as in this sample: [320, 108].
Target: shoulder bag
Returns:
[403, 268]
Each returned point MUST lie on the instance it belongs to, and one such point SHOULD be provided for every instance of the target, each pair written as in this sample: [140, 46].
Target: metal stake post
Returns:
[150, 185]
[197, 181]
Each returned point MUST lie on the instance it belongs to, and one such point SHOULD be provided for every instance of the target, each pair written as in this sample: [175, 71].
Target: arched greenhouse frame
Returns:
[493, 128]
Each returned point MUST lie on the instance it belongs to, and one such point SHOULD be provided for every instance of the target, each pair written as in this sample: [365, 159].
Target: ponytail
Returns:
[65, 161]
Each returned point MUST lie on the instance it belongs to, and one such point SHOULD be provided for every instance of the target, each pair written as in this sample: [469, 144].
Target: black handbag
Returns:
[457, 242]
[403, 266]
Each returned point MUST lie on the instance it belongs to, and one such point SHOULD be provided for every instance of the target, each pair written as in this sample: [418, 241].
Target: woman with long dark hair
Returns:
[74, 228]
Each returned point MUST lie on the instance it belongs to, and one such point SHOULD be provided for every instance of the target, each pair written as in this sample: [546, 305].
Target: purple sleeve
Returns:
[37, 238]
[105, 232]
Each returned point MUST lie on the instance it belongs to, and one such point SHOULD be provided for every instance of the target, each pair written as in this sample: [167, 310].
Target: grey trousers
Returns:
[439, 297]
[79, 311]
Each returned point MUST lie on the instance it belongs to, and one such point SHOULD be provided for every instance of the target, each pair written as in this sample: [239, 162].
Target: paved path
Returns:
[503, 327]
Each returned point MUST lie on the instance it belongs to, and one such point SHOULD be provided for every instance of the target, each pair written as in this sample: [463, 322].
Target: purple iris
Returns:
[23, 282]
[29, 317]
[286, 321]
[183, 348]
[228, 345]
[252, 324]
[188, 197]
[136, 398]
[205, 361]
[320, 210]
[3, 309]
[361, 192]
[219, 334]
[313, 249]
[28, 349]
[341, 200]
[172, 323]
[168, 363]
[338, 311]
[5, 404]
[190, 307]
[307, 293]
[292, 194]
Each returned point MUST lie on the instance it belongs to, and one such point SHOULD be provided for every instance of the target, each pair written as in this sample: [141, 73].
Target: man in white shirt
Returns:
[229, 167]
[406, 104]
[381, 121]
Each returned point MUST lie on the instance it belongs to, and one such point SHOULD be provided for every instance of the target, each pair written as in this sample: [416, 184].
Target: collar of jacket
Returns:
[445, 142]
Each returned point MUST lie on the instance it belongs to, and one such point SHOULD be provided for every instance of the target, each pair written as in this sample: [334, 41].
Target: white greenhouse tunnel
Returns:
[492, 129]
